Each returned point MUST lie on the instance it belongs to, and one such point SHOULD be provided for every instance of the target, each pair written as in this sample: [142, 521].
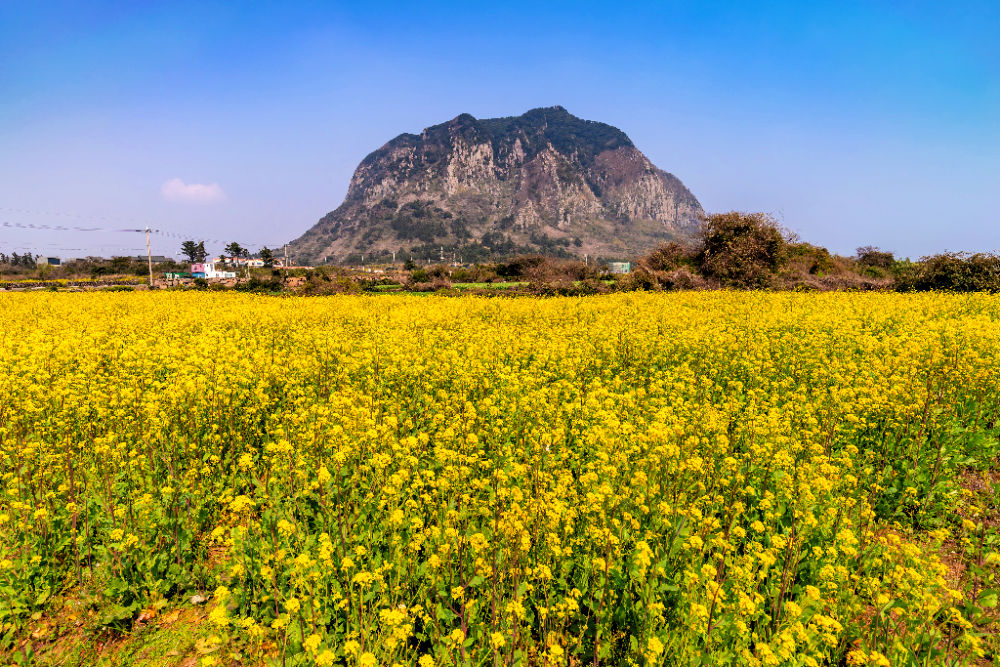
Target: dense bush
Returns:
[812, 259]
[329, 280]
[565, 287]
[639, 280]
[428, 284]
[957, 272]
[681, 279]
[519, 266]
[256, 284]
[742, 249]
[875, 257]
[668, 257]
[478, 273]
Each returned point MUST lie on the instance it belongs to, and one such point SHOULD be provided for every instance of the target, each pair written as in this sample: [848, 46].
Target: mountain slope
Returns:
[545, 182]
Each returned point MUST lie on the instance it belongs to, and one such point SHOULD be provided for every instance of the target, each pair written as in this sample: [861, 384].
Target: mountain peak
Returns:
[464, 119]
[545, 181]
[553, 110]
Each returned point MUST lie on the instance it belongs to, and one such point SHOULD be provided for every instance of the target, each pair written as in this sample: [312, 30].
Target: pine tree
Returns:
[190, 250]
[267, 255]
[235, 250]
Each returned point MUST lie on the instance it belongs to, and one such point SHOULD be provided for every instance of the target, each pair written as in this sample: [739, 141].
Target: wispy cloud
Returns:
[198, 193]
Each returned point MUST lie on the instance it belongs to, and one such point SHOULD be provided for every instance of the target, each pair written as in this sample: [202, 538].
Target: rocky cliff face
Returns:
[544, 182]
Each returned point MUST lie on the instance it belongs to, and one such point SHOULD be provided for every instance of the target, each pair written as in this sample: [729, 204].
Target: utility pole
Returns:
[149, 258]
[286, 255]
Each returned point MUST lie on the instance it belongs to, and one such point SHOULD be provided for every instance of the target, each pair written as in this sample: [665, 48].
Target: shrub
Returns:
[668, 257]
[680, 279]
[638, 280]
[438, 271]
[519, 266]
[335, 285]
[742, 249]
[957, 272]
[565, 287]
[875, 257]
[811, 259]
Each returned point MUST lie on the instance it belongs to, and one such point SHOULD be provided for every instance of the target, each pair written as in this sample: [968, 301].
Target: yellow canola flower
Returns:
[373, 470]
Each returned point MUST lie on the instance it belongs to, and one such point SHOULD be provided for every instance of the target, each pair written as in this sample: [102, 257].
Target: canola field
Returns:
[716, 478]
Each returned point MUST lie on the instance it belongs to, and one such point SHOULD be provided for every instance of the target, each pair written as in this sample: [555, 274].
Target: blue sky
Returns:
[853, 123]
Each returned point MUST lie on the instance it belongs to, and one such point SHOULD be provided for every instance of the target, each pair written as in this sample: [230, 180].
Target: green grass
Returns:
[173, 638]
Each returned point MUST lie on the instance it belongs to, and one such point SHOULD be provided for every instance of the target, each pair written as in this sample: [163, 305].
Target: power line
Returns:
[159, 232]
[140, 226]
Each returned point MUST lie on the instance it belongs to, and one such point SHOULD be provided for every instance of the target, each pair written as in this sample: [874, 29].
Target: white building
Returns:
[208, 270]
[239, 261]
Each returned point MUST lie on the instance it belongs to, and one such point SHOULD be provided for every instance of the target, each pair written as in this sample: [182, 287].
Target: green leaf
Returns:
[988, 599]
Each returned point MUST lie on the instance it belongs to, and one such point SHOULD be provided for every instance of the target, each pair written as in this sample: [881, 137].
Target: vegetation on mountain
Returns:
[543, 182]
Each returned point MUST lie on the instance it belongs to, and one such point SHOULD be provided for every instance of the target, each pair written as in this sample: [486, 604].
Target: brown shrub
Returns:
[668, 257]
[639, 280]
[832, 282]
[742, 249]
[566, 287]
[875, 257]
[809, 258]
[327, 285]
[682, 278]
[429, 285]
[952, 271]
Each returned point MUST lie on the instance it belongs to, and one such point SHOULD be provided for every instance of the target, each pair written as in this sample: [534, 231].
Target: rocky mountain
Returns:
[545, 182]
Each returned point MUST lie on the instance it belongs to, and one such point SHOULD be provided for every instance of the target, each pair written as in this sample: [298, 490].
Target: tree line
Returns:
[26, 260]
[753, 251]
[195, 252]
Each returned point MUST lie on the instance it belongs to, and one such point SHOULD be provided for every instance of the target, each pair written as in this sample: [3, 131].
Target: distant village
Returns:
[237, 268]
[208, 266]
[223, 267]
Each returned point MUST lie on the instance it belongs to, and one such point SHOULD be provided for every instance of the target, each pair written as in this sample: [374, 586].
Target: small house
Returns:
[207, 270]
